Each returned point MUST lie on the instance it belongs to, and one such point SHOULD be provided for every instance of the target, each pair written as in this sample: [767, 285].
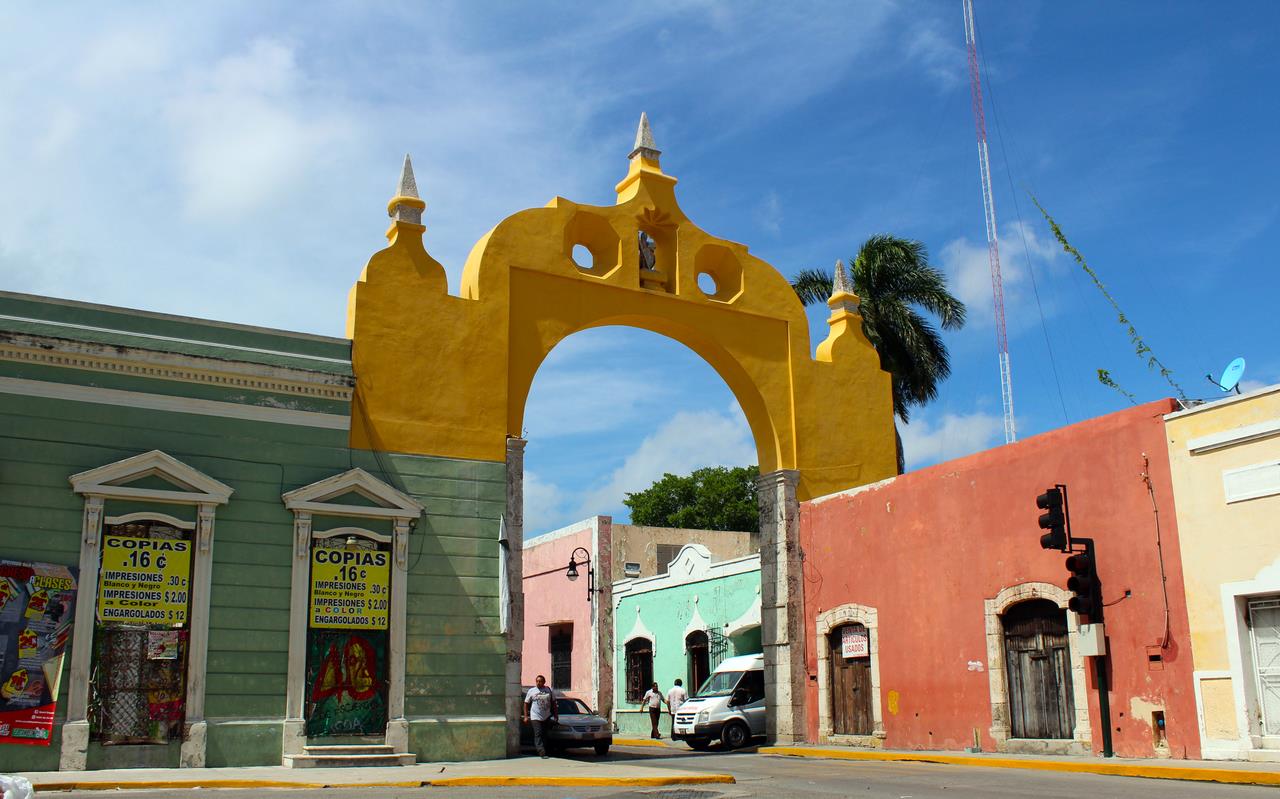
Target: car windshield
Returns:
[568, 707]
[721, 683]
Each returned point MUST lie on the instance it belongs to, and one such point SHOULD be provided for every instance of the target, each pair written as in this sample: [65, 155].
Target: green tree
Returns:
[894, 282]
[711, 498]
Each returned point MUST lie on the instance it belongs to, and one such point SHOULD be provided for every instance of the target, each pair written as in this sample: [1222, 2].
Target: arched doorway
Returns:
[639, 668]
[851, 692]
[697, 649]
[1038, 670]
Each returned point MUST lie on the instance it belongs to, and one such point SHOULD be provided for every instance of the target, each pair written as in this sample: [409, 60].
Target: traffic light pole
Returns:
[1099, 661]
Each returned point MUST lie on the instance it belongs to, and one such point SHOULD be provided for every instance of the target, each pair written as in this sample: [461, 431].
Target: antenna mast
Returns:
[989, 210]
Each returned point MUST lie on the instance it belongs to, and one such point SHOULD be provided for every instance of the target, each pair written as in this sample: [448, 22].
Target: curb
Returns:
[1188, 773]
[478, 781]
[584, 782]
[638, 742]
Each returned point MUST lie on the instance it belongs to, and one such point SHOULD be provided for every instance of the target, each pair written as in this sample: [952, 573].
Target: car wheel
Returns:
[698, 743]
[602, 749]
[735, 736]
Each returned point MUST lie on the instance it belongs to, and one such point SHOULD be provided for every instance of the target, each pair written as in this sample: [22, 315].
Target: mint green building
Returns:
[321, 594]
[681, 624]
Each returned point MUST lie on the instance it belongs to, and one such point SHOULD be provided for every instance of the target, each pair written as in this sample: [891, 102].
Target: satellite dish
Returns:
[1230, 376]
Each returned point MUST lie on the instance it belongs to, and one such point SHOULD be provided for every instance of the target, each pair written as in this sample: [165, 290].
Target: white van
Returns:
[729, 706]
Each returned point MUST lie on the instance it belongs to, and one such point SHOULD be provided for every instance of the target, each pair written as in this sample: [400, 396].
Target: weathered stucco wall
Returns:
[927, 549]
[639, 544]
[1230, 550]
[551, 599]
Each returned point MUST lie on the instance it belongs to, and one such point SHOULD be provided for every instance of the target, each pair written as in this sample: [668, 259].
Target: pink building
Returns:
[566, 626]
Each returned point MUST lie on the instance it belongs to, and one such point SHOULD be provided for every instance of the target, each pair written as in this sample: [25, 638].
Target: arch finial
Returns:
[406, 205]
[841, 282]
[645, 145]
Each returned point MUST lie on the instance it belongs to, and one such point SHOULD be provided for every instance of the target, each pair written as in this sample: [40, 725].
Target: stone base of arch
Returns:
[1081, 741]
[827, 621]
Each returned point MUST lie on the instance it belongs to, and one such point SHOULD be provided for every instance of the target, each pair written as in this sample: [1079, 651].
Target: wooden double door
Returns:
[851, 695]
[1038, 669]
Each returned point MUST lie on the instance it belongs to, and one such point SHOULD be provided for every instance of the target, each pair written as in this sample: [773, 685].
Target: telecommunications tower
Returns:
[989, 209]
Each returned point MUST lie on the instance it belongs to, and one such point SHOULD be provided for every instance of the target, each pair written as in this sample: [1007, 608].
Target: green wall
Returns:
[666, 613]
[456, 654]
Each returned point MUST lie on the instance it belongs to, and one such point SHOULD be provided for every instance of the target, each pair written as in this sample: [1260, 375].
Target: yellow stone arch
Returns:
[445, 375]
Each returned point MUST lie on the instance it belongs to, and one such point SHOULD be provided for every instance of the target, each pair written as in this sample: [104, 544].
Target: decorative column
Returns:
[295, 726]
[397, 724]
[781, 590]
[514, 532]
[75, 731]
[200, 587]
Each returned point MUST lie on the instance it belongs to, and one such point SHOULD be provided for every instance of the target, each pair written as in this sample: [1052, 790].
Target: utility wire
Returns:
[1022, 231]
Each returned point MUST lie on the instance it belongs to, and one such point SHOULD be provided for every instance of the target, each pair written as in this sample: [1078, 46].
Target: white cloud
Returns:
[938, 53]
[968, 268]
[544, 505]
[768, 213]
[952, 436]
[1253, 385]
[246, 133]
[123, 54]
[572, 401]
[688, 441]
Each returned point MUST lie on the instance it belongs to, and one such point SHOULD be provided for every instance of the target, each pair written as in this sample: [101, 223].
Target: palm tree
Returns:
[893, 278]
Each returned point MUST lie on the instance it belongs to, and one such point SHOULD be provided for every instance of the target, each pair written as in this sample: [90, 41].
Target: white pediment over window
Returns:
[693, 561]
[353, 493]
[153, 476]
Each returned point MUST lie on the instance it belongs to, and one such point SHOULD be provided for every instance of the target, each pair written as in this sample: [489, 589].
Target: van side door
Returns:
[755, 709]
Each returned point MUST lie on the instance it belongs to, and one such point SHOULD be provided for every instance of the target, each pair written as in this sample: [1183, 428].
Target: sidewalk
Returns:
[517, 771]
[1229, 771]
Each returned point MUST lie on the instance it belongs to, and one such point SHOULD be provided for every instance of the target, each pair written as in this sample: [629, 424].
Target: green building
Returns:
[251, 588]
[681, 624]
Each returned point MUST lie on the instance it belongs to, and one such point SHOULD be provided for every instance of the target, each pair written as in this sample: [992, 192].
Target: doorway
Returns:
[1264, 633]
[851, 695]
[1038, 670]
[697, 647]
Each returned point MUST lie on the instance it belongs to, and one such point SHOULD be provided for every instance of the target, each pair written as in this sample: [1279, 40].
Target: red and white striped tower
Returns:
[993, 240]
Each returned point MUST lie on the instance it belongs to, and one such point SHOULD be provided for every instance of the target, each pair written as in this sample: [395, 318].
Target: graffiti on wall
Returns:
[346, 682]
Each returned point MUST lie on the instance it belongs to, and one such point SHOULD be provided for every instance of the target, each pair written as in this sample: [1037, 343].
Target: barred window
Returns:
[561, 645]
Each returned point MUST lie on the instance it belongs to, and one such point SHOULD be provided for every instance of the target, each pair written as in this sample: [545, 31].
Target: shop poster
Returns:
[144, 580]
[350, 589]
[37, 614]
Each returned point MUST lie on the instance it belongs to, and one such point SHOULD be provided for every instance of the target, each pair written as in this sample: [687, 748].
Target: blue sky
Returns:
[233, 161]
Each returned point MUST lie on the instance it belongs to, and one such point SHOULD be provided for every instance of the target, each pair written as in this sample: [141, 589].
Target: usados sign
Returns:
[144, 580]
[349, 589]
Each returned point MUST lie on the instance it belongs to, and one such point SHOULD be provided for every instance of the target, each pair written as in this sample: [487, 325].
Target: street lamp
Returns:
[572, 571]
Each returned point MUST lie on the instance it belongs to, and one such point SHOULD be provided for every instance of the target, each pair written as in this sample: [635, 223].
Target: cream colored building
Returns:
[1225, 459]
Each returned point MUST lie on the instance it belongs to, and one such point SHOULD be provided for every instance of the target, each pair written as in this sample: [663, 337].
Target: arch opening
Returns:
[614, 408]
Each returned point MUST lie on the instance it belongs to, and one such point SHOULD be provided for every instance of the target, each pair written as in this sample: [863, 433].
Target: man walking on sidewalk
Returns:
[653, 700]
[540, 711]
[675, 698]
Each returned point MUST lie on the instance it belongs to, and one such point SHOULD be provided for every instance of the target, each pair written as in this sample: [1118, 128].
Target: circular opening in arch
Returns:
[583, 258]
[707, 284]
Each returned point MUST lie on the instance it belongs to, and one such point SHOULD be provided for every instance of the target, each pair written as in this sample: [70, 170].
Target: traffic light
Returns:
[1053, 519]
[1083, 584]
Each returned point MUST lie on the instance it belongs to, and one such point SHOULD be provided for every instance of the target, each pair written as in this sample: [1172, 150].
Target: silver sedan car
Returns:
[578, 727]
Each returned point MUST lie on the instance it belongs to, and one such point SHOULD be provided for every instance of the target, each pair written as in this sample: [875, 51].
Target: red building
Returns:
[935, 584]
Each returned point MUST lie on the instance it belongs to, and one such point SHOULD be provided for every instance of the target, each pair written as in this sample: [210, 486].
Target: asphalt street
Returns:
[762, 776]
